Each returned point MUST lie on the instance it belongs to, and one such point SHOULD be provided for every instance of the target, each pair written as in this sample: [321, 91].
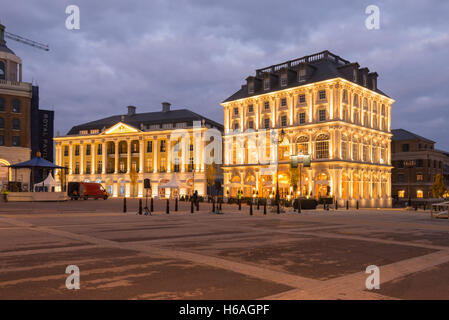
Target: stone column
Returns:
[128, 155]
[93, 167]
[116, 144]
[155, 153]
[141, 155]
[169, 154]
[81, 158]
[70, 158]
[104, 157]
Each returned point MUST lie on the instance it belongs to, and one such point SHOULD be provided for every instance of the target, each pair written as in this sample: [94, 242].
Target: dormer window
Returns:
[266, 83]
[354, 75]
[251, 87]
[374, 84]
[284, 80]
[302, 73]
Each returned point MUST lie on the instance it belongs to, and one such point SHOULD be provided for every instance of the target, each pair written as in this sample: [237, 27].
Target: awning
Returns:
[174, 183]
[36, 162]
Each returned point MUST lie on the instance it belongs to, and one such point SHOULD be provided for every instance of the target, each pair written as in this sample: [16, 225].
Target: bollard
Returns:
[265, 207]
[357, 205]
[176, 204]
[251, 208]
[299, 205]
[240, 205]
[213, 205]
[140, 206]
[336, 204]
[124, 204]
[197, 205]
[167, 209]
[347, 204]
[191, 206]
[151, 205]
[219, 202]
[258, 203]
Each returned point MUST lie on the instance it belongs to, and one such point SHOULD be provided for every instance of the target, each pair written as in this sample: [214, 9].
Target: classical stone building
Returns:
[416, 162]
[15, 97]
[328, 108]
[121, 151]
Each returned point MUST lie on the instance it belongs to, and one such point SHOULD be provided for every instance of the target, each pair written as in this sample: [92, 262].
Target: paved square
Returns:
[313, 255]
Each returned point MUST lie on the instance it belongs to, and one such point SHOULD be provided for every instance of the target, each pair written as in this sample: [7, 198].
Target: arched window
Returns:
[344, 147]
[374, 107]
[356, 100]
[2, 105]
[365, 103]
[2, 71]
[322, 146]
[302, 145]
[2, 123]
[345, 96]
[16, 106]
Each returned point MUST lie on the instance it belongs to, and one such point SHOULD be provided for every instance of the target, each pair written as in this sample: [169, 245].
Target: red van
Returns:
[86, 190]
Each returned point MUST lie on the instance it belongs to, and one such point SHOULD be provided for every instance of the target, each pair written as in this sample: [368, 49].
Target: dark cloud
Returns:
[195, 53]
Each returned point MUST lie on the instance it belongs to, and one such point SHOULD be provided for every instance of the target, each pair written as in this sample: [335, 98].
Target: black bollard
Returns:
[151, 205]
[124, 204]
[336, 204]
[191, 206]
[299, 205]
[251, 208]
[265, 207]
[219, 202]
[258, 204]
[357, 205]
[140, 206]
[167, 209]
[176, 204]
[347, 205]
[240, 204]
[213, 205]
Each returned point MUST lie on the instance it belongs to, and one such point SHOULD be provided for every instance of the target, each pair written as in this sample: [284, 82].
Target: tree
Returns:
[438, 187]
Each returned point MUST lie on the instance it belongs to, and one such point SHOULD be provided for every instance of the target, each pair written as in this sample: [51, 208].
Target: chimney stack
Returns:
[165, 106]
[131, 110]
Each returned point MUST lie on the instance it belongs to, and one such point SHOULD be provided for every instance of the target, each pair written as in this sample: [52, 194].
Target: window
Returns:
[400, 164]
[77, 150]
[94, 131]
[401, 178]
[66, 151]
[266, 123]
[284, 80]
[176, 165]
[88, 150]
[250, 108]
[88, 167]
[77, 168]
[16, 106]
[266, 83]
[344, 149]
[356, 100]
[302, 145]
[283, 102]
[365, 103]
[236, 111]
[401, 193]
[2, 105]
[84, 131]
[419, 163]
[283, 121]
[405, 147]
[167, 125]
[322, 94]
[302, 118]
[100, 149]
[99, 166]
[134, 147]
[356, 117]
[150, 146]
[236, 126]
[162, 148]
[355, 151]
[191, 147]
[302, 72]
[322, 146]
[345, 96]
[302, 98]
[251, 124]
[2, 123]
[322, 115]
[2, 71]
[419, 193]
[365, 153]
[16, 141]
[419, 177]
[2, 140]
[251, 87]
[267, 105]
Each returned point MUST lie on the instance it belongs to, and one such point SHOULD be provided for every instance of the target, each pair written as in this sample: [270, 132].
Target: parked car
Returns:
[86, 190]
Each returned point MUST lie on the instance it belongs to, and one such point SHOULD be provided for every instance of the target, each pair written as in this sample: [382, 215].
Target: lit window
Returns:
[419, 177]
[322, 146]
[283, 102]
[322, 115]
[419, 193]
[322, 94]
[94, 131]
[162, 148]
[401, 193]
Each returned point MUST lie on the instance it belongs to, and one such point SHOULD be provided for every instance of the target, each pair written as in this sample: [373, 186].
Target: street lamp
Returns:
[277, 141]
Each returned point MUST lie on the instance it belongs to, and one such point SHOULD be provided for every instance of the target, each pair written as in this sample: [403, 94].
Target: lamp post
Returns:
[277, 141]
[409, 164]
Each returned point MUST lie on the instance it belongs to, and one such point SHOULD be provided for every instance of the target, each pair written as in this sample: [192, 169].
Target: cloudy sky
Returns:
[195, 53]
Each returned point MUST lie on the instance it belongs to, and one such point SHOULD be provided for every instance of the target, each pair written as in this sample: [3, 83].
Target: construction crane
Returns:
[26, 41]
